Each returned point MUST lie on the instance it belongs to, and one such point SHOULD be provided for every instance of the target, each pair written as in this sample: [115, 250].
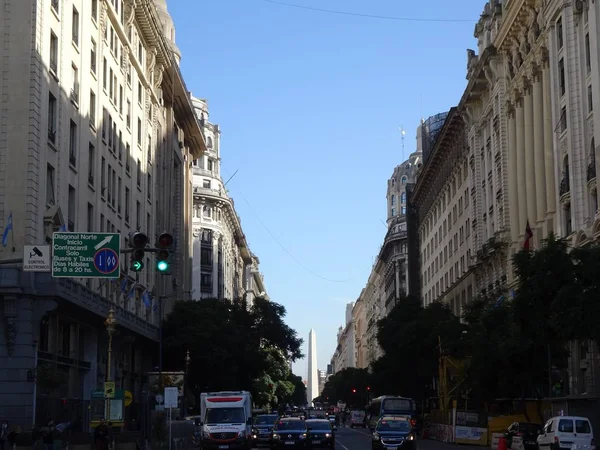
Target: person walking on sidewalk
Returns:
[3, 434]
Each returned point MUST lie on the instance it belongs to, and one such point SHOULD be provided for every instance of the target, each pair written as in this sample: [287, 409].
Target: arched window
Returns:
[403, 198]
[209, 142]
[393, 181]
[404, 179]
[393, 200]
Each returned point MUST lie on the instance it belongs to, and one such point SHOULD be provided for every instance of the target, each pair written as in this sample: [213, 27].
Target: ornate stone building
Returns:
[223, 265]
[522, 39]
[442, 196]
[485, 114]
[106, 131]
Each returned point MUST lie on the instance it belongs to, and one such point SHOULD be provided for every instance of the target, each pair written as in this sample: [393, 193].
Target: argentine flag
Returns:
[7, 229]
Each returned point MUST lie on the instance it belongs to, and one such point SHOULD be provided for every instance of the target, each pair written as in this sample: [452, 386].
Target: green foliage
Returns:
[298, 396]
[231, 346]
[340, 387]
[409, 337]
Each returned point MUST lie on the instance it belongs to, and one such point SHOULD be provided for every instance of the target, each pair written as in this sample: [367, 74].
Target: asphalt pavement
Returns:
[360, 439]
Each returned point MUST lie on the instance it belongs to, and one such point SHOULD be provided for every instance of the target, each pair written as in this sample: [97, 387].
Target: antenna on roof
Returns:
[402, 136]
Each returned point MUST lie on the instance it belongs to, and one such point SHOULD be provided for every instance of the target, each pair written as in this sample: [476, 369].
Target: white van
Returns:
[357, 419]
[566, 432]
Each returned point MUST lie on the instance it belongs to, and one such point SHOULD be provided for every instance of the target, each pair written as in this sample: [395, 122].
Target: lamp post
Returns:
[188, 359]
[111, 325]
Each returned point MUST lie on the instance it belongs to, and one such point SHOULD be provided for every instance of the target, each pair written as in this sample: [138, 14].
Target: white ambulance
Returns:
[226, 420]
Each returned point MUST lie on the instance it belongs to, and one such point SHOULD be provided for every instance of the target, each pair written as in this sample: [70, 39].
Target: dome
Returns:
[168, 26]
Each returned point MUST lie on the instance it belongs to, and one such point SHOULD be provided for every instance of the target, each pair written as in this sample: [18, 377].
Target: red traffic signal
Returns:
[354, 391]
[138, 240]
[368, 388]
[165, 240]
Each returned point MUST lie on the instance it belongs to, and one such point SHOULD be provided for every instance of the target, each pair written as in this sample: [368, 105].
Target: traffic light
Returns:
[353, 390]
[138, 242]
[165, 241]
[368, 388]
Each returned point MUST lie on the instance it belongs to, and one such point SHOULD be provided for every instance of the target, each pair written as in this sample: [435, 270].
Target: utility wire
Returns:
[308, 269]
[369, 16]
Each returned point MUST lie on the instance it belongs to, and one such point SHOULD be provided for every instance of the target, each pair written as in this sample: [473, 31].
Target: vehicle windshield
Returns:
[265, 420]
[290, 425]
[397, 405]
[225, 415]
[319, 425]
[393, 425]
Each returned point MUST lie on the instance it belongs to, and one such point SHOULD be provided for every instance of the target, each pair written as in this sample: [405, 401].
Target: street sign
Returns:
[128, 398]
[109, 389]
[171, 397]
[86, 255]
[36, 258]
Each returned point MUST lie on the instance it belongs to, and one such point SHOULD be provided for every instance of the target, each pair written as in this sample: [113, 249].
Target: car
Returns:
[321, 433]
[393, 433]
[262, 428]
[289, 433]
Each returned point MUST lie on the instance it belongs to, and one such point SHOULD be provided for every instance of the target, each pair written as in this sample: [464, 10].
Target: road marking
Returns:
[342, 445]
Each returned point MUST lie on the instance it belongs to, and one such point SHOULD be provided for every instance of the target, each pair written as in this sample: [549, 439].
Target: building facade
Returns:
[486, 118]
[442, 196]
[223, 265]
[359, 317]
[344, 355]
[98, 109]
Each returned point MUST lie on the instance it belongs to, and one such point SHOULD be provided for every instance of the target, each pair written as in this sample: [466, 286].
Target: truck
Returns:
[226, 420]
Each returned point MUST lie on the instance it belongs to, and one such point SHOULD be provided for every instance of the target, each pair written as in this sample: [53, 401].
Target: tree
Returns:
[298, 396]
[410, 337]
[232, 346]
[348, 385]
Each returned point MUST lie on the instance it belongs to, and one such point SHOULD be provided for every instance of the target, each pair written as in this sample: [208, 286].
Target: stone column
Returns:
[529, 152]
[538, 145]
[513, 197]
[521, 167]
[551, 190]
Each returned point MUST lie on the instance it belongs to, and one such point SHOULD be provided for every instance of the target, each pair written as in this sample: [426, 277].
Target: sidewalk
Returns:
[430, 444]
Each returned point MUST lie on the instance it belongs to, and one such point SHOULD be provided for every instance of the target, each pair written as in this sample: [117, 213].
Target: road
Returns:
[360, 439]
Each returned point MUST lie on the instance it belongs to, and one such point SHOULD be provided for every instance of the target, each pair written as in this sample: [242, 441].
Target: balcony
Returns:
[54, 66]
[213, 193]
[75, 94]
[204, 172]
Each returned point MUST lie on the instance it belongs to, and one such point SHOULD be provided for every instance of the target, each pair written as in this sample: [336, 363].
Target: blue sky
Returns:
[310, 105]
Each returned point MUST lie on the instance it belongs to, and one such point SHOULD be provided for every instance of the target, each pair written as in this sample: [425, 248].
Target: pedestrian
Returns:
[49, 433]
[3, 434]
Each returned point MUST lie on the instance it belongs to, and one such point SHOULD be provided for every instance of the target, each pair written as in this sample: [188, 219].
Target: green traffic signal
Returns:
[162, 266]
[136, 266]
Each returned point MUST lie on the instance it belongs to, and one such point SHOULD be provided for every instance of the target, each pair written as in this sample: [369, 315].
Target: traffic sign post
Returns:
[86, 255]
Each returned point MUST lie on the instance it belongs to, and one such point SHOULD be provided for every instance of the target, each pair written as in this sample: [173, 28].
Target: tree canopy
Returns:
[505, 344]
[233, 346]
[350, 385]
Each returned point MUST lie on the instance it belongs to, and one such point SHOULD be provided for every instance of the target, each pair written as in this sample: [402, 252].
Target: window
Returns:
[111, 78]
[393, 199]
[71, 213]
[588, 54]
[139, 131]
[55, 6]
[149, 141]
[590, 99]
[50, 199]
[393, 212]
[149, 186]
[93, 109]
[104, 73]
[561, 76]
[52, 118]
[140, 93]
[90, 218]
[119, 190]
[128, 121]
[403, 198]
[139, 173]
[103, 176]
[75, 26]
[127, 203]
[206, 184]
[54, 53]
[140, 52]
[138, 214]
[559, 34]
[403, 210]
[120, 99]
[127, 158]
[93, 56]
[75, 86]
[563, 119]
[403, 180]
[72, 143]
[95, 10]
[91, 163]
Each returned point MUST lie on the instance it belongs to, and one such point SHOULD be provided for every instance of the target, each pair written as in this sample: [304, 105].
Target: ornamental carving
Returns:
[151, 62]
[129, 12]
[158, 76]
[516, 58]
[103, 18]
[542, 56]
[524, 46]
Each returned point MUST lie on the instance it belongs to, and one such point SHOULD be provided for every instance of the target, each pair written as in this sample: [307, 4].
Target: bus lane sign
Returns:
[86, 255]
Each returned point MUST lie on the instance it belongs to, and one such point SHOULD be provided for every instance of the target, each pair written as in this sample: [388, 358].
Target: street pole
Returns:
[160, 344]
[110, 323]
[549, 372]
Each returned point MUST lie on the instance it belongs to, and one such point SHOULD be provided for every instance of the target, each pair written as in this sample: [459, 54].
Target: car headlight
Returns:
[375, 437]
[327, 435]
[410, 437]
[303, 436]
[242, 434]
[276, 436]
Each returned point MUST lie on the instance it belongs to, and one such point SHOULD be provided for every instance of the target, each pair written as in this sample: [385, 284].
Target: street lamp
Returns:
[188, 359]
[111, 324]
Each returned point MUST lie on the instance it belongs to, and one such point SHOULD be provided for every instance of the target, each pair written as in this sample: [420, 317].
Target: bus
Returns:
[391, 405]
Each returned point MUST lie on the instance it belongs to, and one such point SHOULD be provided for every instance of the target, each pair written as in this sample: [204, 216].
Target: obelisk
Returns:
[313, 377]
